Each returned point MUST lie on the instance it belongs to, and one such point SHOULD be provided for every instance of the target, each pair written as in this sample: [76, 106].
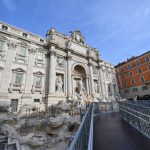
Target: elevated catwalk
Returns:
[113, 133]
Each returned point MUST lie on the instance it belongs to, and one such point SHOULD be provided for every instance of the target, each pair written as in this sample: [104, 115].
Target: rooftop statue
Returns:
[77, 36]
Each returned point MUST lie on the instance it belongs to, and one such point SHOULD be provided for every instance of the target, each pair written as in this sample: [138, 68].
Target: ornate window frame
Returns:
[13, 85]
[21, 57]
[3, 50]
[40, 61]
[36, 88]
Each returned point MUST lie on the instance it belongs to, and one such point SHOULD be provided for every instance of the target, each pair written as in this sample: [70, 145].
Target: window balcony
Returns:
[147, 82]
[16, 87]
[21, 57]
[39, 61]
[36, 88]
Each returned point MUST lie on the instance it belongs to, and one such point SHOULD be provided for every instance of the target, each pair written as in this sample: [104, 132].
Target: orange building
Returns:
[133, 76]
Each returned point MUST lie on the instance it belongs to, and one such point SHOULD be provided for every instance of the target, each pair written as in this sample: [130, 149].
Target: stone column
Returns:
[29, 75]
[69, 84]
[52, 73]
[101, 85]
[87, 84]
[113, 92]
[91, 79]
[7, 71]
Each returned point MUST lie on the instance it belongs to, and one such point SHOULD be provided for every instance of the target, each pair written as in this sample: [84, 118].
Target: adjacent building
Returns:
[133, 76]
[59, 67]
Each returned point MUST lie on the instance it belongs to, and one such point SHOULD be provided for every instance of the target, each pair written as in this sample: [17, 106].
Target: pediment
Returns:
[18, 70]
[23, 44]
[3, 38]
[38, 73]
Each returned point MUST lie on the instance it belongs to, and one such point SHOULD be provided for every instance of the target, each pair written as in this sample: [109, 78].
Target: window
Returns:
[139, 70]
[135, 89]
[4, 27]
[144, 88]
[38, 81]
[41, 40]
[24, 34]
[125, 84]
[126, 91]
[142, 79]
[14, 105]
[1, 45]
[129, 66]
[131, 73]
[121, 69]
[22, 52]
[39, 56]
[123, 76]
[109, 88]
[114, 86]
[147, 59]
[148, 67]
[138, 62]
[133, 82]
[36, 100]
[18, 79]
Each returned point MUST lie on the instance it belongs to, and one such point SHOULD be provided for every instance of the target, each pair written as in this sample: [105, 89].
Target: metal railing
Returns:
[83, 139]
[137, 114]
[141, 102]
[105, 107]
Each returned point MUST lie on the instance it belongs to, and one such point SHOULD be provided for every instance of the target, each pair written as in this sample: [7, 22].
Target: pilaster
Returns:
[100, 82]
[5, 83]
[91, 78]
[29, 75]
[69, 85]
[52, 71]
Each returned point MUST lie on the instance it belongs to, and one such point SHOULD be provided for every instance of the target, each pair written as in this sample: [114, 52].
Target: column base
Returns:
[55, 98]
[4, 99]
[26, 98]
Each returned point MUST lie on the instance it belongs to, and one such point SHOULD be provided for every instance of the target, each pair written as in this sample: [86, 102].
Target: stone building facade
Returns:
[59, 67]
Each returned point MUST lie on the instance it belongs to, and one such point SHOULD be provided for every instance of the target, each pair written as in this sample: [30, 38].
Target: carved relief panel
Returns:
[95, 71]
[60, 62]
[59, 84]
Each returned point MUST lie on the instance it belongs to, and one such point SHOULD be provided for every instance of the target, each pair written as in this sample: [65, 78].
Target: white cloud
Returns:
[10, 4]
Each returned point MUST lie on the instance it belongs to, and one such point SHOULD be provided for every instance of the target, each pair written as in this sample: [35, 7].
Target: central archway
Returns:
[79, 77]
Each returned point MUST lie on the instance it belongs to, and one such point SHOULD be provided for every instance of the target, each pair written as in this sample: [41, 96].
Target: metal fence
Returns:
[136, 113]
[141, 102]
[105, 107]
[83, 139]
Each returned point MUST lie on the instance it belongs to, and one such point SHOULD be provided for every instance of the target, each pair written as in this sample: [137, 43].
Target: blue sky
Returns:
[118, 28]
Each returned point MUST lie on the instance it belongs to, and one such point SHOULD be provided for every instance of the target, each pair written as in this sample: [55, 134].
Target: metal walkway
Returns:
[113, 133]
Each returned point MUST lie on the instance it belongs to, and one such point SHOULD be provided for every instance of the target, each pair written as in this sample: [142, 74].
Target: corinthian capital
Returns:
[12, 45]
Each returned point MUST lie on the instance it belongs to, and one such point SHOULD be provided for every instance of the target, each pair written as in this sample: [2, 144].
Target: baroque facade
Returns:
[58, 67]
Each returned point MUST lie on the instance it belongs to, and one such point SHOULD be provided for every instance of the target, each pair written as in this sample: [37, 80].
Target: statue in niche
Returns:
[95, 71]
[96, 86]
[60, 62]
[82, 96]
[59, 84]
